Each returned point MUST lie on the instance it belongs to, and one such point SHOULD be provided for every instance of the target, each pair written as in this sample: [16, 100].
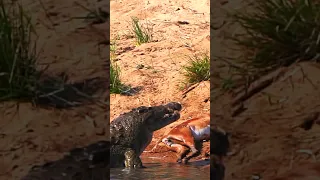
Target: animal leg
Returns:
[182, 140]
[132, 160]
[190, 142]
[181, 150]
[176, 146]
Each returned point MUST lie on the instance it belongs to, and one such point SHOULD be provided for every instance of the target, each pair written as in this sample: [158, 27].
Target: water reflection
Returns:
[164, 171]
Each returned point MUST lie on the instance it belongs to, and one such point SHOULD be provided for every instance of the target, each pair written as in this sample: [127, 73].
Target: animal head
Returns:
[156, 117]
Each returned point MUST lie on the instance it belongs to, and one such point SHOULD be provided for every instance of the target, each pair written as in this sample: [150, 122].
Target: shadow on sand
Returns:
[55, 92]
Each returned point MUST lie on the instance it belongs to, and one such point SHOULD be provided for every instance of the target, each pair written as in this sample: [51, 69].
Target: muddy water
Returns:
[165, 171]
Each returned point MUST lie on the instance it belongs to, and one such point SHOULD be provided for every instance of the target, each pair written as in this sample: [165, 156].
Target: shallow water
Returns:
[155, 170]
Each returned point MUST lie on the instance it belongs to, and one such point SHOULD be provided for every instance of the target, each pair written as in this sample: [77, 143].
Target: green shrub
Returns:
[18, 74]
[116, 86]
[142, 35]
[279, 33]
[197, 69]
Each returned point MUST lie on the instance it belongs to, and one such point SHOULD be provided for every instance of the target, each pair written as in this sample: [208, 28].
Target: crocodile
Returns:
[132, 132]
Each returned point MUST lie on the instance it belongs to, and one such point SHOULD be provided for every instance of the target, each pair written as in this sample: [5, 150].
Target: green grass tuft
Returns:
[113, 49]
[142, 35]
[227, 84]
[116, 86]
[279, 33]
[197, 69]
[20, 79]
[18, 74]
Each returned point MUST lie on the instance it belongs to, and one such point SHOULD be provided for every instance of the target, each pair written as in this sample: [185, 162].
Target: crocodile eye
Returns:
[142, 109]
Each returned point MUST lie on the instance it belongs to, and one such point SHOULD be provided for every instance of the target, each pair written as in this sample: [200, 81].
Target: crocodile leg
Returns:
[132, 160]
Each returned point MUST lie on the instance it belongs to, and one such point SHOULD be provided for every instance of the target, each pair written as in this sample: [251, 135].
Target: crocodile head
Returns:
[139, 124]
[160, 116]
[132, 132]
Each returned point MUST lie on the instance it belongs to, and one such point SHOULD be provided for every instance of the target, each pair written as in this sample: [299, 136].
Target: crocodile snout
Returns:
[174, 110]
[174, 106]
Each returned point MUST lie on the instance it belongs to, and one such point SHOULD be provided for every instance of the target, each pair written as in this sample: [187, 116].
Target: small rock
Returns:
[183, 22]
[140, 66]
[255, 177]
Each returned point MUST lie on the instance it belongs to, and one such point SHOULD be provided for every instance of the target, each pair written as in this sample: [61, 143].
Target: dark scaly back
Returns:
[123, 127]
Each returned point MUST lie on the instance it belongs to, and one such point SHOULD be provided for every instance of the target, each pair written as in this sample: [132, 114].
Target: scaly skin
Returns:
[132, 132]
[131, 160]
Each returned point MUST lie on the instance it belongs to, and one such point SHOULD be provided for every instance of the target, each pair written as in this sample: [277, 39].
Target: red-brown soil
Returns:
[265, 138]
[173, 43]
[32, 136]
